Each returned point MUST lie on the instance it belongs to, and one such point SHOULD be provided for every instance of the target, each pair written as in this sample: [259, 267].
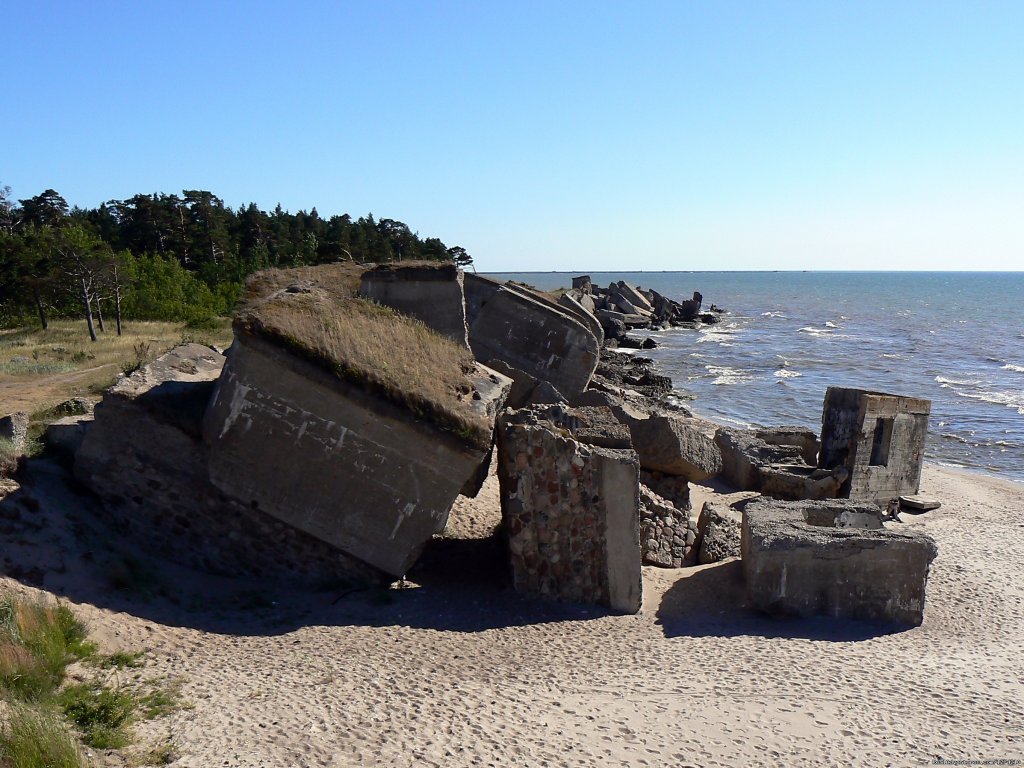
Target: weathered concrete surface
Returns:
[719, 530]
[799, 481]
[743, 455]
[14, 428]
[667, 534]
[570, 511]
[536, 336]
[669, 445]
[328, 458]
[429, 291]
[800, 437]
[144, 458]
[834, 558]
[67, 435]
[584, 315]
[879, 438]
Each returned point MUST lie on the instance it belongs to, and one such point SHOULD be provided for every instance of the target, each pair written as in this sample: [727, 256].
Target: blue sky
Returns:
[540, 136]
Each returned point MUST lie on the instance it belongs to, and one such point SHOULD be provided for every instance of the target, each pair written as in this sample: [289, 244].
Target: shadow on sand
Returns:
[54, 538]
[712, 602]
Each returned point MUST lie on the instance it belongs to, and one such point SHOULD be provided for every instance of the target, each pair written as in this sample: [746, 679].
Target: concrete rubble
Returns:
[834, 558]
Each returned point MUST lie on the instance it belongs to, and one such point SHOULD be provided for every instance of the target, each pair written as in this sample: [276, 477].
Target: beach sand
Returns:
[456, 670]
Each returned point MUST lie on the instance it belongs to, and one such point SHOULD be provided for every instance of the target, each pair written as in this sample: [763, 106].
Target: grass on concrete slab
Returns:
[315, 313]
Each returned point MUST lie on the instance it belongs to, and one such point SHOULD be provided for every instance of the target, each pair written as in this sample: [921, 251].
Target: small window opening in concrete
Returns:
[882, 441]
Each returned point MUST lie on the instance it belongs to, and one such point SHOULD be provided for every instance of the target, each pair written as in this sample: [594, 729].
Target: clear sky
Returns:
[549, 135]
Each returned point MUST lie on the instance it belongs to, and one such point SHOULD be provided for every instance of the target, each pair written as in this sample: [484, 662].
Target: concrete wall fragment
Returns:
[570, 511]
[429, 291]
[879, 438]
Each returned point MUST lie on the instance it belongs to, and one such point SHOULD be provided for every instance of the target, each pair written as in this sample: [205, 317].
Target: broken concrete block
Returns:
[833, 558]
[799, 481]
[430, 291]
[919, 503]
[14, 429]
[144, 459]
[529, 333]
[800, 437]
[67, 435]
[632, 295]
[584, 315]
[667, 534]
[718, 533]
[383, 420]
[743, 455]
[669, 445]
[570, 511]
[582, 283]
[879, 438]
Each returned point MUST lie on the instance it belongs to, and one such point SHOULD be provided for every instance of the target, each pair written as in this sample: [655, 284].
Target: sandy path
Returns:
[25, 394]
[459, 671]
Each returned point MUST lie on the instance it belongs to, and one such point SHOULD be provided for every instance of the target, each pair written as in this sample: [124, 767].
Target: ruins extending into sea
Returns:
[955, 338]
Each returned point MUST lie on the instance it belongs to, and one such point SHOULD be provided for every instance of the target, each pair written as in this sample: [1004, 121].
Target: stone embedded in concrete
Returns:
[833, 558]
[667, 534]
[329, 458]
[143, 457]
[570, 511]
[429, 291]
[673, 488]
[718, 533]
[530, 333]
[669, 445]
[879, 438]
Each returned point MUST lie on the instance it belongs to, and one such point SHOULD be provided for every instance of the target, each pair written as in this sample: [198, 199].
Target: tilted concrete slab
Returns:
[833, 558]
[144, 458]
[329, 458]
[429, 291]
[538, 337]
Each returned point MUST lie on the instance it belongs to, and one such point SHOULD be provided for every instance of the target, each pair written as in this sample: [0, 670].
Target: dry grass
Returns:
[315, 312]
[39, 369]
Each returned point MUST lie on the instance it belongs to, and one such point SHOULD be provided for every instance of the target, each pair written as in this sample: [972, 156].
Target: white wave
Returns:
[893, 357]
[1009, 399]
[813, 331]
[726, 375]
[948, 383]
[1012, 367]
[830, 324]
[787, 374]
[774, 314]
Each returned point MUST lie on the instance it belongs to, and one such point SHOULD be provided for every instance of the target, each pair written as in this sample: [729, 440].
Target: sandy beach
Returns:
[454, 669]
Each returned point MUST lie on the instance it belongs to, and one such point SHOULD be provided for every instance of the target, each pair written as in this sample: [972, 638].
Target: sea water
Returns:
[956, 339]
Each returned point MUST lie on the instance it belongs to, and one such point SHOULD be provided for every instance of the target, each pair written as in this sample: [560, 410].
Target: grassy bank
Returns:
[39, 369]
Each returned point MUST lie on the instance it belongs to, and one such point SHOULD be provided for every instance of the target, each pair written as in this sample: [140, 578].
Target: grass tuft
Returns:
[102, 714]
[37, 642]
[37, 738]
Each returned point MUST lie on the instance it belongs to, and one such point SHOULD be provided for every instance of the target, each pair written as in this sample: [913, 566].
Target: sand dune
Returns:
[455, 670]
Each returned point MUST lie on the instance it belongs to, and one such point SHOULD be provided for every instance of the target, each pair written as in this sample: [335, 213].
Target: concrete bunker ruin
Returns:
[834, 558]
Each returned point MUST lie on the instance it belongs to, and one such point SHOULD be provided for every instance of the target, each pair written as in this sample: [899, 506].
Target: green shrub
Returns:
[37, 738]
[102, 714]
